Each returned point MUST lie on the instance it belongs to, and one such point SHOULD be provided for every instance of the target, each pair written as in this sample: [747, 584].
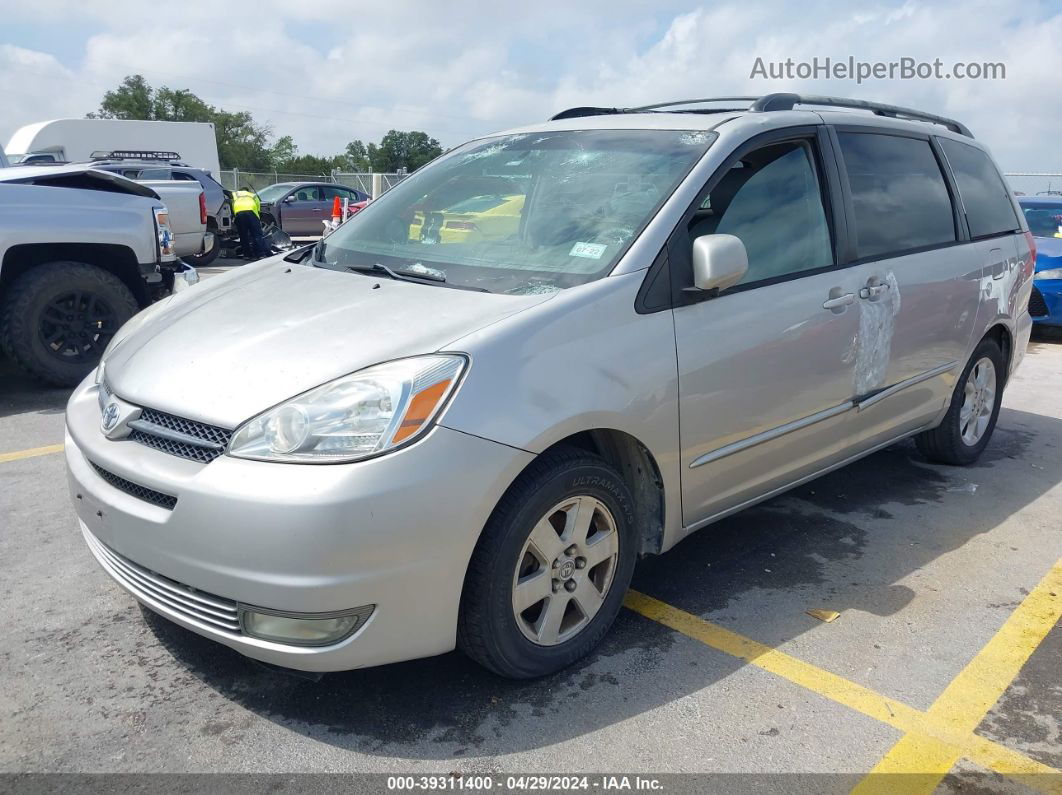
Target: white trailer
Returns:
[76, 140]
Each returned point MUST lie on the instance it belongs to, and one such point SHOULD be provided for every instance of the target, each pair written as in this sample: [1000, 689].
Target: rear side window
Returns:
[984, 194]
[343, 193]
[899, 195]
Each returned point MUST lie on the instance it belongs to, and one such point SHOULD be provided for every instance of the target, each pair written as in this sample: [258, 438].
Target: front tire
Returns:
[57, 319]
[967, 427]
[548, 575]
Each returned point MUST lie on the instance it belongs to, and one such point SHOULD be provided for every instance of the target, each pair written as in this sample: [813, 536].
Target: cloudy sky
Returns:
[328, 71]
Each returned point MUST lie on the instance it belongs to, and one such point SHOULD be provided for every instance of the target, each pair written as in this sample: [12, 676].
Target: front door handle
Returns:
[873, 291]
[838, 302]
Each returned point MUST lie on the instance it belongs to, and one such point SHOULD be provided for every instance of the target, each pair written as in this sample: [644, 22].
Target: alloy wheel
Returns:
[979, 398]
[565, 570]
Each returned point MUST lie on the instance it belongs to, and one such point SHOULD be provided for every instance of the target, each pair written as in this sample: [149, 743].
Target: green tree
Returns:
[133, 99]
[247, 145]
[356, 157]
[180, 105]
[282, 151]
[408, 150]
[241, 142]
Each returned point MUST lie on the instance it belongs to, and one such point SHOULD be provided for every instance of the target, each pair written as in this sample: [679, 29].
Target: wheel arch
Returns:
[117, 260]
[638, 467]
[1003, 337]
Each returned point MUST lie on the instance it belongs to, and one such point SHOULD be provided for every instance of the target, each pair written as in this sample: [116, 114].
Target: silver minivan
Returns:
[461, 418]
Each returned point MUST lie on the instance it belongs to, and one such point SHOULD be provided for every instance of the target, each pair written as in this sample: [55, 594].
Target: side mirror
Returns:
[719, 261]
[289, 199]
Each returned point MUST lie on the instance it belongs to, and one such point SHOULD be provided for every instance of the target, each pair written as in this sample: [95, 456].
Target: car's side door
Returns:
[765, 368]
[920, 278]
[302, 211]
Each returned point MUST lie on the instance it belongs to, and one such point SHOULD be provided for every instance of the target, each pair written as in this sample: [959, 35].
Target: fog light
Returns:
[302, 629]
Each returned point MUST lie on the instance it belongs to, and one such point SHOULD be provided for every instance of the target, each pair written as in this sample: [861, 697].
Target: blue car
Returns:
[1044, 216]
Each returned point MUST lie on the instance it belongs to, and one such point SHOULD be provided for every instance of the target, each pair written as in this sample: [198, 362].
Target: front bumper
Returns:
[395, 531]
[1047, 311]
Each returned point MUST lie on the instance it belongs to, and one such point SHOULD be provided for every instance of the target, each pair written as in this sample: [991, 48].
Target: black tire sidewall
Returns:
[585, 477]
[208, 256]
[34, 291]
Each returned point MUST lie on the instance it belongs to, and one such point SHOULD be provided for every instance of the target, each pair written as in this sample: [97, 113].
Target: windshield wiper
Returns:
[401, 276]
[417, 277]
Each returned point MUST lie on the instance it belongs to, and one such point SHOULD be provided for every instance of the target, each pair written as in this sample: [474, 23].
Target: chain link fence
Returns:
[1030, 183]
[374, 183]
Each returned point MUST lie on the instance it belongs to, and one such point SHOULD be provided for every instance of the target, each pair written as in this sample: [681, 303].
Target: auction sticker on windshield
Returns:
[588, 250]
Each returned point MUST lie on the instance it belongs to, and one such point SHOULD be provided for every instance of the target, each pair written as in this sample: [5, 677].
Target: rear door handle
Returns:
[873, 290]
[839, 302]
[997, 263]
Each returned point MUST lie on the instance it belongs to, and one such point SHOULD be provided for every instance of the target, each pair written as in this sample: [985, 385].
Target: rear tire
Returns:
[57, 319]
[208, 256]
[565, 528]
[967, 427]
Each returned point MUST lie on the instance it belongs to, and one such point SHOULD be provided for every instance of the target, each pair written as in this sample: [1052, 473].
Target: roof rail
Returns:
[659, 105]
[782, 101]
[787, 101]
[576, 113]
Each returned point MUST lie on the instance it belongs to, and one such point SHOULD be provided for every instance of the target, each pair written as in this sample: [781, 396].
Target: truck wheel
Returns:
[548, 575]
[971, 418]
[56, 319]
[208, 256]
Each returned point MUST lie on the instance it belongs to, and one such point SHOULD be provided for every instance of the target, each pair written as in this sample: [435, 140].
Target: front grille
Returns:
[135, 489]
[214, 611]
[198, 442]
[1037, 305]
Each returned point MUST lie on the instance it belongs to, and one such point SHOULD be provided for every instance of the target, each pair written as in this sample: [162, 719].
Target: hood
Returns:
[1048, 253]
[228, 349]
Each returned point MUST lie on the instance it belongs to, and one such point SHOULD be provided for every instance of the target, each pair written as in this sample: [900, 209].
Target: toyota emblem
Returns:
[110, 416]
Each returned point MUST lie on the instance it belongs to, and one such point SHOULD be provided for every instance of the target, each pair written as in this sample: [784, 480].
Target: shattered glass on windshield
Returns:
[523, 214]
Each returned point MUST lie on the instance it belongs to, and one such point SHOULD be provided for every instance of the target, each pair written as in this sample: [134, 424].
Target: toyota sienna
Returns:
[462, 417]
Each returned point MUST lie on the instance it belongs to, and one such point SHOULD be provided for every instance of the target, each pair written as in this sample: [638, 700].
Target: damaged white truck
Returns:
[81, 251]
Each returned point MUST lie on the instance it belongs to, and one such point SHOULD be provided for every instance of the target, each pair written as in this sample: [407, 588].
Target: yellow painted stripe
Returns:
[31, 453]
[939, 739]
[965, 702]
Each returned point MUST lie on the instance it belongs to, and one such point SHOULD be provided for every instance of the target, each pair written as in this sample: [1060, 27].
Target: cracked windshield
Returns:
[520, 214]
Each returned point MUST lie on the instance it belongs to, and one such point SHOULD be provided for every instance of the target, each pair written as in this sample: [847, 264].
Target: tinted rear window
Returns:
[984, 194]
[900, 198]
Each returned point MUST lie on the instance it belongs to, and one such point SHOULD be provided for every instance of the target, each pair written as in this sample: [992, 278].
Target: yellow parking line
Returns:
[937, 736]
[31, 453]
[965, 702]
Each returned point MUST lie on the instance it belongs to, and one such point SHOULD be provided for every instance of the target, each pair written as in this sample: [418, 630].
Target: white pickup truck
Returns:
[81, 251]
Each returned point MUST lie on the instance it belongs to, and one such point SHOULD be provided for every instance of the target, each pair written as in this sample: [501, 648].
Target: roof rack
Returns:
[783, 101]
[134, 154]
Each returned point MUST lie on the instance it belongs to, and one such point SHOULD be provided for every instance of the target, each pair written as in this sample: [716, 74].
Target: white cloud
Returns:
[329, 71]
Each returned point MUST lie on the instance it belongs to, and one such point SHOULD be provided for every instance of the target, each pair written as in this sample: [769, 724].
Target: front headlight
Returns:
[357, 416]
[1053, 273]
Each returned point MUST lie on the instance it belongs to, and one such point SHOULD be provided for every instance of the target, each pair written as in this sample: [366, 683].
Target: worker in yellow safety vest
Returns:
[245, 212]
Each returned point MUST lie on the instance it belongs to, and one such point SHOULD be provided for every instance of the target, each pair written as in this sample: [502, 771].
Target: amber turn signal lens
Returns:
[420, 408]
